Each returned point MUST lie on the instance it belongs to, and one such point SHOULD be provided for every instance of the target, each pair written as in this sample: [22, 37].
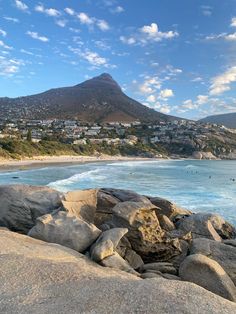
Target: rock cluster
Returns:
[147, 237]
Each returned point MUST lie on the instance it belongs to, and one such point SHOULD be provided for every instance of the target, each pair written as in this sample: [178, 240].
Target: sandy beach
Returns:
[41, 161]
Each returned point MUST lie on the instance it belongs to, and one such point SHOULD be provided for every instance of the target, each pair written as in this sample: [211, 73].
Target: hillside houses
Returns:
[113, 133]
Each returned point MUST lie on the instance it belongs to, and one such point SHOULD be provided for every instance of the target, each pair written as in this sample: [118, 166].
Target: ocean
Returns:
[198, 185]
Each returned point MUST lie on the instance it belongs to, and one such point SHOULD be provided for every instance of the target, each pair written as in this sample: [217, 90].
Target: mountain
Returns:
[99, 99]
[228, 120]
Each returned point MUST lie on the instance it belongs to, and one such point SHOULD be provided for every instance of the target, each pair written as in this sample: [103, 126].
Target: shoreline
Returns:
[42, 161]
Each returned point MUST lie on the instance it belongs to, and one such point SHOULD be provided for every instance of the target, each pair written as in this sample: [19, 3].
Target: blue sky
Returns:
[176, 56]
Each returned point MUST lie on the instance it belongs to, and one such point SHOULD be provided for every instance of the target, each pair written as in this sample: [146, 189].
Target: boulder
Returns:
[123, 246]
[170, 276]
[208, 274]
[203, 155]
[200, 226]
[165, 223]
[21, 205]
[159, 267]
[168, 208]
[125, 250]
[230, 242]
[223, 254]
[39, 277]
[125, 195]
[145, 234]
[81, 203]
[117, 262]
[150, 275]
[184, 248]
[222, 227]
[66, 229]
[105, 203]
[106, 243]
[134, 260]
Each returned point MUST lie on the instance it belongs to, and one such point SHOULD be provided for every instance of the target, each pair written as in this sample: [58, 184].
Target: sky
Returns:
[175, 56]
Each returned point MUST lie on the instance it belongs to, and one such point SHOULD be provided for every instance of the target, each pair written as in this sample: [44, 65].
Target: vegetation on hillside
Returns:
[17, 149]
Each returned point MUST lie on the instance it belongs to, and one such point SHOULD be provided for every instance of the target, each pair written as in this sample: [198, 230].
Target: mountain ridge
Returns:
[99, 99]
[226, 119]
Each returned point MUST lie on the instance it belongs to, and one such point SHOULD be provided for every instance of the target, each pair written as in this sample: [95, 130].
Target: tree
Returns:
[29, 136]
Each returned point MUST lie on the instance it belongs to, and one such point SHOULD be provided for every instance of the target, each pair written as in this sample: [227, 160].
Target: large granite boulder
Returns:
[125, 195]
[222, 253]
[168, 208]
[125, 250]
[66, 229]
[81, 203]
[21, 205]
[159, 267]
[145, 234]
[106, 243]
[208, 274]
[105, 203]
[222, 227]
[231, 242]
[38, 277]
[165, 223]
[200, 226]
[117, 262]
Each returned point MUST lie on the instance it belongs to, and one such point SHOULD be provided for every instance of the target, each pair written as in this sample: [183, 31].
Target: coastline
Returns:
[42, 161]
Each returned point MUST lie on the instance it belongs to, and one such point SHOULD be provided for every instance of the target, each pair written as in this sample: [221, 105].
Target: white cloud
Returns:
[74, 30]
[225, 36]
[3, 45]
[189, 105]
[103, 25]
[222, 82]
[35, 35]
[61, 23]
[150, 85]
[165, 109]
[8, 67]
[3, 33]
[85, 19]
[50, 12]
[151, 98]
[21, 5]
[128, 41]
[70, 11]
[206, 10]
[154, 34]
[202, 99]
[216, 36]
[94, 59]
[233, 22]
[117, 10]
[166, 93]
[91, 21]
[197, 79]
[11, 19]
[231, 37]
[147, 34]
[101, 44]
[26, 52]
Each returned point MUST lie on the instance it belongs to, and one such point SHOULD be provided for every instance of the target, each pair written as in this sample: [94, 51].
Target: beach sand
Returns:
[41, 161]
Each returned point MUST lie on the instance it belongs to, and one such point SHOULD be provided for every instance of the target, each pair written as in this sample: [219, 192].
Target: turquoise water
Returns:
[196, 185]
